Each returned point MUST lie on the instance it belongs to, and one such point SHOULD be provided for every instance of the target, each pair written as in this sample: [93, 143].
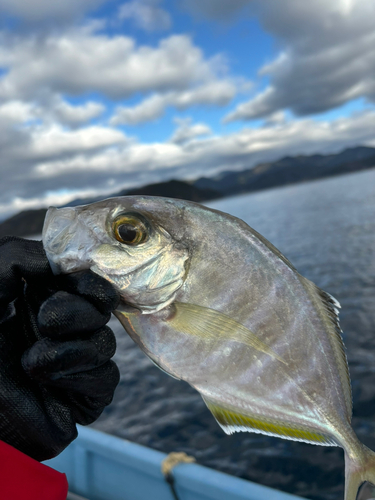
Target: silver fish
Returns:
[213, 303]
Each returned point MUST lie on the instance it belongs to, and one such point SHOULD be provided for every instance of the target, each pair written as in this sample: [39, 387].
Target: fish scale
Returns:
[225, 311]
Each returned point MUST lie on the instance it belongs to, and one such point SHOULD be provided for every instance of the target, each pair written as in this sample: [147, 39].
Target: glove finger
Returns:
[49, 360]
[20, 260]
[93, 288]
[64, 315]
[87, 408]
[98, 383]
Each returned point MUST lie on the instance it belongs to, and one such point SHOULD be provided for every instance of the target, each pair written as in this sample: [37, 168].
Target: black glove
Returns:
[55, 367]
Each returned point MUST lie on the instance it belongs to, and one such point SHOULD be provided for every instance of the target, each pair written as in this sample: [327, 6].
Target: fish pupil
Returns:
[128, 233]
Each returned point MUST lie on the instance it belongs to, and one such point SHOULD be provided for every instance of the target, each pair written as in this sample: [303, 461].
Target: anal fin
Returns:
[232, 421]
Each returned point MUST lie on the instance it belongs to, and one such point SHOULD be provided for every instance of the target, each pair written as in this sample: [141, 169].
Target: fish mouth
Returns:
[58, 231]
[66, 242]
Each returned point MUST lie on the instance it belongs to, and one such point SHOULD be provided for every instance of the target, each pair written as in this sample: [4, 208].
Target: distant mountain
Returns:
[26, 223]
[176, 189]
[288, 170]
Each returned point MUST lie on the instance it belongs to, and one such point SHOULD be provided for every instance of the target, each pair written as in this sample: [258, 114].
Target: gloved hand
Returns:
[55, 350]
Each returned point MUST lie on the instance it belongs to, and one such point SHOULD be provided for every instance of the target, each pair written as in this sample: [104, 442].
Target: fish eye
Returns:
[129, 229]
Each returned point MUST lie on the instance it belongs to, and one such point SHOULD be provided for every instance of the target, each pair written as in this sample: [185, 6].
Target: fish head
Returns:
[135, 243]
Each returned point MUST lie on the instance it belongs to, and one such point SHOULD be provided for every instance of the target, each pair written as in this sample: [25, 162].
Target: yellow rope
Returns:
[173, 459]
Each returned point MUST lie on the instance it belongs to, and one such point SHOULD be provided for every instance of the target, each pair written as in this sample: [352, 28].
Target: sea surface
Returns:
[326, 228]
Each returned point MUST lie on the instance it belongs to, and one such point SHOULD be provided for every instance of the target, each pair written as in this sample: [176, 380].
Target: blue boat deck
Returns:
[103, 467]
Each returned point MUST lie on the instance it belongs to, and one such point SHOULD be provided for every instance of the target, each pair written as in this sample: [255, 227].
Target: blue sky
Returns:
[100, 95]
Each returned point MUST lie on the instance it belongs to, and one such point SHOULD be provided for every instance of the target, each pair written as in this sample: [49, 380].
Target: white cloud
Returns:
[217, 93]
[148, 110]
[186, 131]
[16, 112]
[54, 141]
[327, 53]
[81, 60]
[56, 198]
[14, 135]
[146, 14]
[212, 93]
[44, 69]
[48, 69]
[53, 110]
[71, 115]
[25, 148]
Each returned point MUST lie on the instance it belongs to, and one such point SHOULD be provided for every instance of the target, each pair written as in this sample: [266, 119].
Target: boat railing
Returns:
[104, 467]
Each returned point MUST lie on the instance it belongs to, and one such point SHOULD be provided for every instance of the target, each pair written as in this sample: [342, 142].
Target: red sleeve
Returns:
[22, 477]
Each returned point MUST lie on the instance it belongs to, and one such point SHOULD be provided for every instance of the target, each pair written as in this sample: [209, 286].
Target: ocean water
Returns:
[327, 230]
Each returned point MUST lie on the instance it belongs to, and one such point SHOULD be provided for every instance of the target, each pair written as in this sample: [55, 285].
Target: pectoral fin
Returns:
[212, 325]
[232, 421]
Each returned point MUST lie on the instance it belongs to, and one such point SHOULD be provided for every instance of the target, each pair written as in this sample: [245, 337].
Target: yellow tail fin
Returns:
[358, 471]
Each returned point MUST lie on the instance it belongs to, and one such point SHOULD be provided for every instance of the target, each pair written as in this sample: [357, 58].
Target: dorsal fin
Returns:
[232, 421]
[329, 308]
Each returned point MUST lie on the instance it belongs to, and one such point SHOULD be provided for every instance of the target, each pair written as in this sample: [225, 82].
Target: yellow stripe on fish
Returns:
[232, 421]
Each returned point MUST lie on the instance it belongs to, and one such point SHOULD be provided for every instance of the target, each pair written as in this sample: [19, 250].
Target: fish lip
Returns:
[54, 234]
[60, 231]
